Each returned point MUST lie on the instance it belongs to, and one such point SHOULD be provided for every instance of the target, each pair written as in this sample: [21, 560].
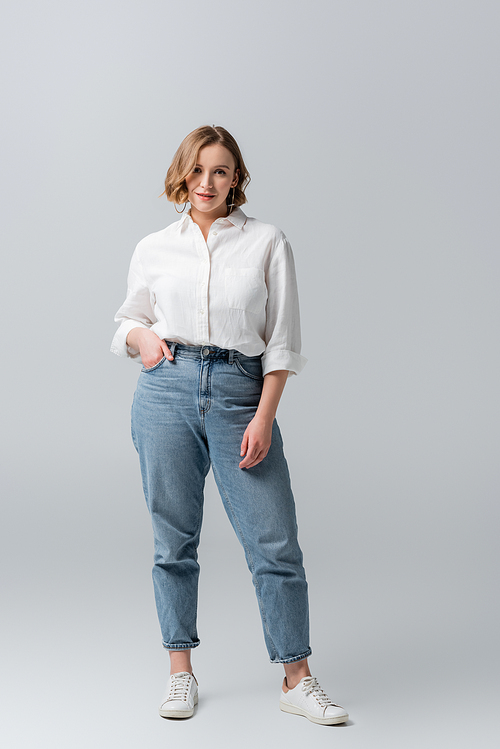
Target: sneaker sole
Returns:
[322, 721]
[178, 713]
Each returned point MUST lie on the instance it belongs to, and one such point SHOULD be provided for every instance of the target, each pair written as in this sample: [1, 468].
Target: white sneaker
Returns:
[308, 699]
[180, 697]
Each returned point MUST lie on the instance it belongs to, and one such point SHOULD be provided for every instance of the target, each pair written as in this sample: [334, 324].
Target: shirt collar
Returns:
[236, 217]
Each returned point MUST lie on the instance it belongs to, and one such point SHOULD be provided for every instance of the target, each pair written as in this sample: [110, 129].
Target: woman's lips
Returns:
[205, 197]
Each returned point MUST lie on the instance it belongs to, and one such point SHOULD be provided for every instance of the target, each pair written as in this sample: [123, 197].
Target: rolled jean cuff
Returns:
[293, 658]
[181, 646]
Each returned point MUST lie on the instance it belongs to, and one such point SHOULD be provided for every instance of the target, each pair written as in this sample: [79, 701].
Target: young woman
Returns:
[212, 314]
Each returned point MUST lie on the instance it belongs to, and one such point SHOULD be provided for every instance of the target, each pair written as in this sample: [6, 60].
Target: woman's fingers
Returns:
[254, 454]
[255, 444]
[166, 350]
[244, 443]
[253, 460]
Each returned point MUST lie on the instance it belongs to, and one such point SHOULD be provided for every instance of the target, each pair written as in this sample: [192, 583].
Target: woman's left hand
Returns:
[256, 441]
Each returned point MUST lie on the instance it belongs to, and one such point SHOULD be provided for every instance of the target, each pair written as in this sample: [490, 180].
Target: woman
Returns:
[212, 314]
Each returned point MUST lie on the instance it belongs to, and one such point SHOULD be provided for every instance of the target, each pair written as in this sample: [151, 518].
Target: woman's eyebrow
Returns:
[215, 167]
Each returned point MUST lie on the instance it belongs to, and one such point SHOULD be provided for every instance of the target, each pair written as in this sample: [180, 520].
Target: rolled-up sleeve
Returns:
[135, 312]
[282, 334]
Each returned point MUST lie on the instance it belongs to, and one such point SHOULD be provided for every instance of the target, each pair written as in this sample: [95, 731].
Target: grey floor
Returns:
[83, 665]
[101, 689]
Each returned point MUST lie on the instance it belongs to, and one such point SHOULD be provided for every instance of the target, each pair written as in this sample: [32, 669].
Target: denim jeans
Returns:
[191, 413]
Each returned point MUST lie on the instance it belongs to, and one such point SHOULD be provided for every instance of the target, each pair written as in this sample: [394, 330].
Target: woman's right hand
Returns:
[151, 347]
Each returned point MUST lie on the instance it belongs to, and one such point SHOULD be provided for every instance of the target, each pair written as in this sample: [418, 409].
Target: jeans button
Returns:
[206, 351]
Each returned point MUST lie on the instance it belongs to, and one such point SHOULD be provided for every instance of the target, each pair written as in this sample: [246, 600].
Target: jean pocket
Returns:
[246, 289]
[155, 366]
[251, 366]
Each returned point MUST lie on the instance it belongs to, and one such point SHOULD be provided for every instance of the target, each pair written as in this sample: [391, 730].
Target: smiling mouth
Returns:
[204, 195]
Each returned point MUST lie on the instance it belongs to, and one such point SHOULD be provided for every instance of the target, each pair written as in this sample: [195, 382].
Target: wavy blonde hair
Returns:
[186, 157]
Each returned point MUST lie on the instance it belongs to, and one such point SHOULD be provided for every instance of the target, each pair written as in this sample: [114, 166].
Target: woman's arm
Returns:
[257, 438]
[282, 332]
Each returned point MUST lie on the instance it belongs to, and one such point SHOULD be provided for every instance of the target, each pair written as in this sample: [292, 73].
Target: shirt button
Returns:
[214, 234]
[201, 311]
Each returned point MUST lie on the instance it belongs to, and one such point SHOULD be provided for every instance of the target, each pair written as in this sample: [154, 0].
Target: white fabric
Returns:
[237, 290]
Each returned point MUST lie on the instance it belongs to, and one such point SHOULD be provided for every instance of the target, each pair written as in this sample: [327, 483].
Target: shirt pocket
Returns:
[246, 289]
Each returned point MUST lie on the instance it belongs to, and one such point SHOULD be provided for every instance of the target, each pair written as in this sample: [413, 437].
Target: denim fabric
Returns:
[191, 413]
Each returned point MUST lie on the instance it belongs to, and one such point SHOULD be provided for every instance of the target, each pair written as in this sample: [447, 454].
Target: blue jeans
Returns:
[191, 413]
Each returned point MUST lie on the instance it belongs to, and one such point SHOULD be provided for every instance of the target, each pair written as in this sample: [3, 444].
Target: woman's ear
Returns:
[236, 178]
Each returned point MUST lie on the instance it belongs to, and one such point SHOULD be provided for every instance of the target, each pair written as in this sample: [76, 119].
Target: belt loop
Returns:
[231, 356]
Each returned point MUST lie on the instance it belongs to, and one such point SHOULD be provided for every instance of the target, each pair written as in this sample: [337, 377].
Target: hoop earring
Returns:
[231, 205]
[175, 206]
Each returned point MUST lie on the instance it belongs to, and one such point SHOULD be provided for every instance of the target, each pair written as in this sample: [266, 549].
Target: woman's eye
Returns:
[197, 170]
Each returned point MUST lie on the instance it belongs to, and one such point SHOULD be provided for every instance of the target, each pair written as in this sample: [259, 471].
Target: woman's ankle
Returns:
[180, 661]
[294, 672]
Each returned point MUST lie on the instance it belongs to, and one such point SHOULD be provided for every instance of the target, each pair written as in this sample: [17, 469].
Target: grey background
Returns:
[370, 130]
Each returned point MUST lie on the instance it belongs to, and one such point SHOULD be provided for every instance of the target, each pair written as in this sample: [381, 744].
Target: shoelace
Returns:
[179, 686]
[310, 686]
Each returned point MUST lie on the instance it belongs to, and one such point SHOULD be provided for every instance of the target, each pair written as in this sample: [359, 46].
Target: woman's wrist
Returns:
[265, 415]
[134, 337]
[272, 389]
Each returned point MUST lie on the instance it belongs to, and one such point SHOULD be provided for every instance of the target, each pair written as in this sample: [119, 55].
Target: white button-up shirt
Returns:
[237, 290]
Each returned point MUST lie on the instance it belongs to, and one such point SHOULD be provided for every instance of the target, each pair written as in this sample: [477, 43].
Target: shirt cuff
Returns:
[273, 360]
[119, 343]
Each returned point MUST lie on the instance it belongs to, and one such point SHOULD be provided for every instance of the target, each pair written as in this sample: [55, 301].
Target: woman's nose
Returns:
[206, 180]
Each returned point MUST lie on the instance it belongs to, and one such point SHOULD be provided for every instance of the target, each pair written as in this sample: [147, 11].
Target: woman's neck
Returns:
[205, 220]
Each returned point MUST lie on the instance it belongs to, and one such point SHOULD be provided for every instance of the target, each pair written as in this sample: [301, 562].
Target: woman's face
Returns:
[211, 179]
